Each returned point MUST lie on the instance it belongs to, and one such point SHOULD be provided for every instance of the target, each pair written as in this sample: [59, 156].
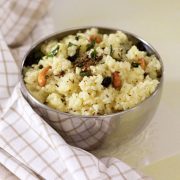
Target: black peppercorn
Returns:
[106, 81]
[40, 66]
[85, 73]
[135, 64]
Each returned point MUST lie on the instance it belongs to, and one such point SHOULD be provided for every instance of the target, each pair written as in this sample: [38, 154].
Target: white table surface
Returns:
[158, 22]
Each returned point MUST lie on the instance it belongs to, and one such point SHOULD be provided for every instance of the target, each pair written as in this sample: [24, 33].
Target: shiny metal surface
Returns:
[88, 131]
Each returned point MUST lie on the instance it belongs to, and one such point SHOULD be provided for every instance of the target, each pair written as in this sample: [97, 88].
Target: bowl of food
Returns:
[86, 82]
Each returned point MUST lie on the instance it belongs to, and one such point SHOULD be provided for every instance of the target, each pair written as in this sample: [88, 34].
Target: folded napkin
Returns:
[29, 147]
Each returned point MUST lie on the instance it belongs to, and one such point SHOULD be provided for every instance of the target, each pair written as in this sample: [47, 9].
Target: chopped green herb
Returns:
[71, 44]
[49, 55]
[80, 64]
[85, 73]
[135, 64]
[94, 54]
[53, 51]
[91, 45]
[111, 50]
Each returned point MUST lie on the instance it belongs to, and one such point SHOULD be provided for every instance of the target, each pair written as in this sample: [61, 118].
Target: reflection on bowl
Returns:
[88, 132]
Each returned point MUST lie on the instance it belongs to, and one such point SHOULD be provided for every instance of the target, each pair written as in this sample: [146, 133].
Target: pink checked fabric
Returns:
[29, 147]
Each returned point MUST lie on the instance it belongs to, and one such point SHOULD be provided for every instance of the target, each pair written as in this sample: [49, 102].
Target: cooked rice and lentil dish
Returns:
[92, 73]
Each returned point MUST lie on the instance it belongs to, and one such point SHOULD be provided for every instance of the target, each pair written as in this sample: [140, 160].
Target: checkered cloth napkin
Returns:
[29, 147]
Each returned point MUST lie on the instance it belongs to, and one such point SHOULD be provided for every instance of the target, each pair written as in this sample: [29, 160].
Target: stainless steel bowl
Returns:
[88, 132]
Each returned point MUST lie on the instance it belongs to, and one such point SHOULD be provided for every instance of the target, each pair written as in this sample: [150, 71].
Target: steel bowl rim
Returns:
[158, 88]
